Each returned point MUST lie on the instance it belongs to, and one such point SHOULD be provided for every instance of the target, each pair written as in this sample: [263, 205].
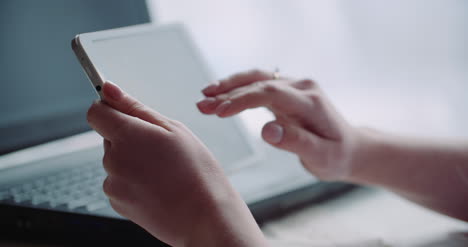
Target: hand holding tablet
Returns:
[163, 178]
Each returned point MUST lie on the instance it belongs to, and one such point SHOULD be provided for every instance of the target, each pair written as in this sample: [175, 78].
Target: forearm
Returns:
[433, 174]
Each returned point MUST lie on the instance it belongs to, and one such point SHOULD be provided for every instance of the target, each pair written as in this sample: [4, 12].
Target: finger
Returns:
[114, 125]
[119, 208]
[208, 105]
[107, 145]
[309, 110]
[304, 84]
[276, 96]
[290, 137]
[116, 162]
[107, 162]
[125, 103]
[115, 167]
[107, 121]
[237, 80]
[117, 189]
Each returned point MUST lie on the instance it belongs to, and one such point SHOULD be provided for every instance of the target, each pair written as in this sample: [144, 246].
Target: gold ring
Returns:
[276, 74]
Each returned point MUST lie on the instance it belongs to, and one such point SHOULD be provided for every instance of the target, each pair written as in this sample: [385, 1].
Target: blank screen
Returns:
[163, 70]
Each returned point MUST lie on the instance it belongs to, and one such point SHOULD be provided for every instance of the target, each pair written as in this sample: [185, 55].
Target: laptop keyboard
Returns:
[78, 190]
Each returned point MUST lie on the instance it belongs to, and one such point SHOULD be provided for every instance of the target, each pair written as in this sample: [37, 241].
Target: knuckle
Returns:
[91, 112]
[306, 84]
[294, 137]
[177, 124]
[121, 131]
[107, 186]
[222, 97]
[299, 138]
[225, 83]
[306, 141]
[271, 88]
[106, 159]
[314, 97]
[135, 107]
[115, 165]
[114, 206]
[107, 162]
[255, 72]
[118, 208]
[251, 94]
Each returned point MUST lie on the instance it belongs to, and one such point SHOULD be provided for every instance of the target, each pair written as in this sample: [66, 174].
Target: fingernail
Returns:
[206, 102]
[112, 91]
[223, 107]
[210, 88]
[273, 133]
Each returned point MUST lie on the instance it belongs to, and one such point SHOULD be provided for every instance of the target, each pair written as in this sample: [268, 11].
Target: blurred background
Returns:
[400, 66]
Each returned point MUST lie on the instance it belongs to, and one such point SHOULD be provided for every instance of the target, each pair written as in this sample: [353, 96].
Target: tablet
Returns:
[161, 67]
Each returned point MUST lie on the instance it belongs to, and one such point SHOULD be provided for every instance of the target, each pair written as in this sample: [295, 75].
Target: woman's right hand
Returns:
[306, 122]
[433, 173]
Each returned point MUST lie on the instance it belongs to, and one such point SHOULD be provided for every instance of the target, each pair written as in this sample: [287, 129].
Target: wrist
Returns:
[368, 146]
[227, 221]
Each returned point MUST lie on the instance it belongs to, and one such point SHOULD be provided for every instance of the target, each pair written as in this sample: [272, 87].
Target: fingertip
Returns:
[210, 89]
[202, 109]
[112, 91]
[207, 105]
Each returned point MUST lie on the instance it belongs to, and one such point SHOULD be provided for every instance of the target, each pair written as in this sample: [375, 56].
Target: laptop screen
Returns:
[44, 94]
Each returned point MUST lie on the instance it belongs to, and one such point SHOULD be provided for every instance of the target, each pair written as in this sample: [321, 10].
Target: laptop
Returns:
[51, 161]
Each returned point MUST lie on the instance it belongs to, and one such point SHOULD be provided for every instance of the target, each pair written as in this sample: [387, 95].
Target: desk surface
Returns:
[366, 217]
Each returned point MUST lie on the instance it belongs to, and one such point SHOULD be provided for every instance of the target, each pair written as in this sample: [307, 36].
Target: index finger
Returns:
[237, 80]
[111, 124]
[276, 96]
[121, 101]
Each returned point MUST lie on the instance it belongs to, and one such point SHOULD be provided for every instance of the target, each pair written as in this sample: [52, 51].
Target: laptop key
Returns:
[39, 199]
[27, 187]
[78, 190]
[79, 202]
[21, 198]
[96, 205]
[4, 194]
[15, 190]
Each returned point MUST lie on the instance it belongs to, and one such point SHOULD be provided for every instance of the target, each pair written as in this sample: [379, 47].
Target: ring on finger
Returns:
[276, 74]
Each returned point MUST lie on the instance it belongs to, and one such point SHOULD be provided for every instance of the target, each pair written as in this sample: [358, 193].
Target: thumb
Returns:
[290, 137]
[119, 100]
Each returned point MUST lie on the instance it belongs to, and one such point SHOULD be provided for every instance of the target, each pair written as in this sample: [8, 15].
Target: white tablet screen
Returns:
[163, 70]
